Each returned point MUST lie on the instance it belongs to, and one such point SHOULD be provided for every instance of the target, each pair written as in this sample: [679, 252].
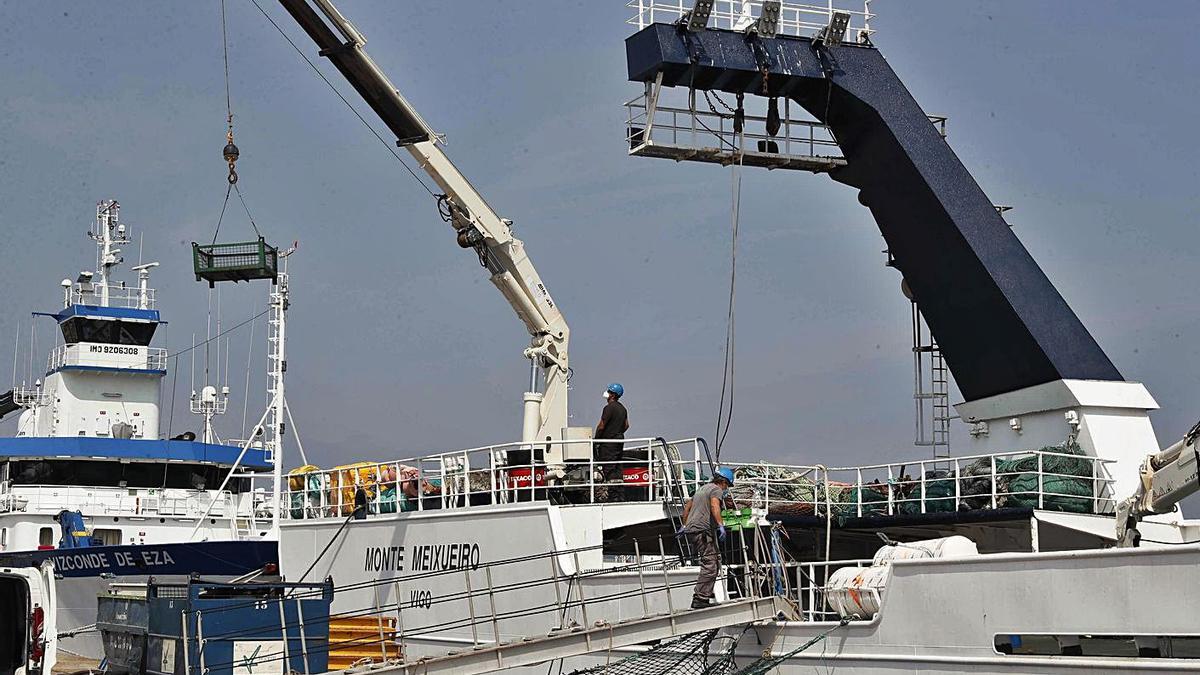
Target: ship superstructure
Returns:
[1002, 560]
[89, 480]
[1057, 434]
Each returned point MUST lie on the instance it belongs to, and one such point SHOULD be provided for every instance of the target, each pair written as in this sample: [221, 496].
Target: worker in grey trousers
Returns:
[703, 527]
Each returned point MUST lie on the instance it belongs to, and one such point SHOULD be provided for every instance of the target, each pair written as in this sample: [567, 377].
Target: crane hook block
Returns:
[231, 155]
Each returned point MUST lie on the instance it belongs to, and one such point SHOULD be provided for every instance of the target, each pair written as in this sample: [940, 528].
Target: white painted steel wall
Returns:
[79, 406]
[1113, 423]
[500, 533]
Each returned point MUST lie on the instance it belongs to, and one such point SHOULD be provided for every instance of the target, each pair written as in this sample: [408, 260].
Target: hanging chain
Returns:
[231, 151]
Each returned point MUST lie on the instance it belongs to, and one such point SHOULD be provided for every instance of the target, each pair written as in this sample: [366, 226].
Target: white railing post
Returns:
[995, 480]
[891, 491]
[859, 485]
[957, 488]
[923, 486]
[1041, 481]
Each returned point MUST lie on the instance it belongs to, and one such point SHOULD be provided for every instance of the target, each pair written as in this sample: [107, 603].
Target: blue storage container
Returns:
[237, 629]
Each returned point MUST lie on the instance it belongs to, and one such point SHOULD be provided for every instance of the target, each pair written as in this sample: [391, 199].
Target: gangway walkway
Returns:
[599, 637]
[491, 616]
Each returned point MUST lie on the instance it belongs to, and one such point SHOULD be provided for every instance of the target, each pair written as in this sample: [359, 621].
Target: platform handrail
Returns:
[904, 488]
[120, 295]
[96, 501]
[486, 476]
[71, 355]
[796, 19]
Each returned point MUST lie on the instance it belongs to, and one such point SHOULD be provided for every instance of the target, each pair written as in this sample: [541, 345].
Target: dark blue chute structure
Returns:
[1000, 323]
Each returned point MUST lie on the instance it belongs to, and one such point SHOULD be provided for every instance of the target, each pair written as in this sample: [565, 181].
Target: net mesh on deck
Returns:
[706, 653]
[703, 653]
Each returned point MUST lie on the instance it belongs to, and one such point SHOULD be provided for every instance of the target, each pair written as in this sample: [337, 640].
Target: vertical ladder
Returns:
[276, 364]
[931, 389]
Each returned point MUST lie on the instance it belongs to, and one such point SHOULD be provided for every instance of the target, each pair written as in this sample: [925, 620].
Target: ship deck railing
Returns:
[117, 501]
[119, 295]
[802, 581]
[31, 397]
[1031, 479]
[73, 355]
[655, 470]
[795, 18]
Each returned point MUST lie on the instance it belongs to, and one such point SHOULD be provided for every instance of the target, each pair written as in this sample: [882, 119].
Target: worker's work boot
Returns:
[700, 603]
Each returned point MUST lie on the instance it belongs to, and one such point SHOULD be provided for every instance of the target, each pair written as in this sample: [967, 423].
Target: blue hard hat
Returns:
[616, 388]
[726, 473]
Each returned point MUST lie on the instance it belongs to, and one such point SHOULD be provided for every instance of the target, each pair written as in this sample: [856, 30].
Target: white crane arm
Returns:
[1167, 478]
[476, 224]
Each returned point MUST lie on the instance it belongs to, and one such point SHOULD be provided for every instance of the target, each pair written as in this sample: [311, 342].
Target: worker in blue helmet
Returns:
[614, 422]
[703, 527]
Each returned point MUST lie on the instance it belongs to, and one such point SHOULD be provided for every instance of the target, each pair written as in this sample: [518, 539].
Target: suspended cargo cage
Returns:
[241, 261]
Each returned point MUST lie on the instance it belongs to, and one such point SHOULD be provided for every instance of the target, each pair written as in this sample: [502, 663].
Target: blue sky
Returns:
[1079, 115]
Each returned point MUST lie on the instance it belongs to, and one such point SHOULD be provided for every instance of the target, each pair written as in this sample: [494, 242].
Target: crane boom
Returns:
[476, 224]
[1167, 478]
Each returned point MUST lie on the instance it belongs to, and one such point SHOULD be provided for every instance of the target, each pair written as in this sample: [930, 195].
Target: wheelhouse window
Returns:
[116, 332]
[102, 473]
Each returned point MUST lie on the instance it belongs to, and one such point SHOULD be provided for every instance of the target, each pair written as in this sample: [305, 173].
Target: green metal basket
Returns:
[241, 261]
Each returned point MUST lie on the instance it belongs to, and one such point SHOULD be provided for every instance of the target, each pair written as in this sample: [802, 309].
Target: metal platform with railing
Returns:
[690, 133]
[1039, 479]
[119, 357]
[119, 295]
[795, 18]
[144, 502]
[655, 470]
[701, 127]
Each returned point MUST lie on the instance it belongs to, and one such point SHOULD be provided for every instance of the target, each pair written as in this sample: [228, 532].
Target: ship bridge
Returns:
[103, 380]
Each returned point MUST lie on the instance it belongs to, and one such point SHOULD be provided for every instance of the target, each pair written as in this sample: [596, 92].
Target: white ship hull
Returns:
[946, 615]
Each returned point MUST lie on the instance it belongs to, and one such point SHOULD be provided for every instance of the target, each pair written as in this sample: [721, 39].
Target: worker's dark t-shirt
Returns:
[613, 418]
[700, 518]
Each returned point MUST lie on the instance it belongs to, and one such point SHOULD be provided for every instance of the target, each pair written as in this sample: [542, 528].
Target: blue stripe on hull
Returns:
[207, 558]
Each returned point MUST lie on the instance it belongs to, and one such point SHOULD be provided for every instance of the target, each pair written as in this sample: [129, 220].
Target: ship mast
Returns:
[108, 232]
[277, 366]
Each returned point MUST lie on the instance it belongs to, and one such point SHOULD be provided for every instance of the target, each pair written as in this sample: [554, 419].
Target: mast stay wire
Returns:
[349, 105]
[246, 391]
